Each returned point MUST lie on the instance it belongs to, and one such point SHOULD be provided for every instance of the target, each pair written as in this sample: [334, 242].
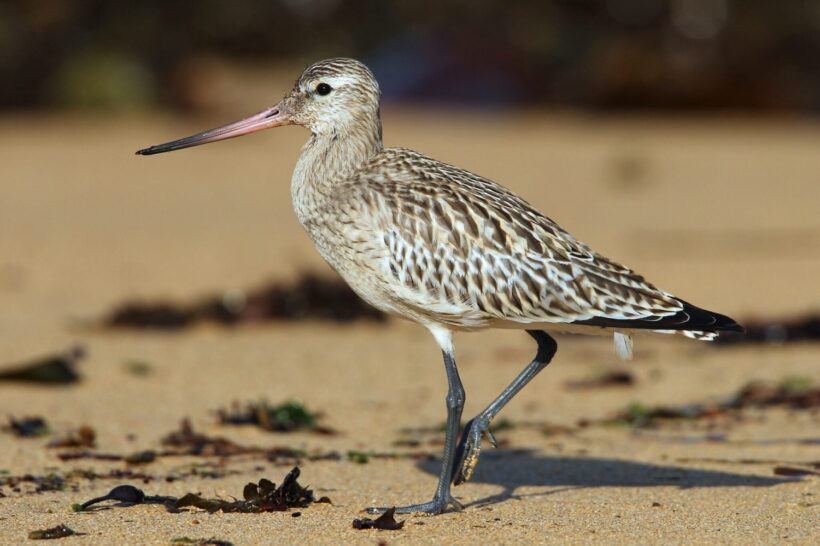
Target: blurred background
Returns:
[677, 136]
[602, 55]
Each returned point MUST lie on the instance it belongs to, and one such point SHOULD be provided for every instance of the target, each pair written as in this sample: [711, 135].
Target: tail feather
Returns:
[691, 321]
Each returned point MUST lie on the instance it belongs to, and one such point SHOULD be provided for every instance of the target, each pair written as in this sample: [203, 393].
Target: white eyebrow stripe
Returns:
[334, 81]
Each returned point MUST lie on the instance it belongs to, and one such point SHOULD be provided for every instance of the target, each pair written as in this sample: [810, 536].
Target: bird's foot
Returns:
[469, 448]
[438, 505]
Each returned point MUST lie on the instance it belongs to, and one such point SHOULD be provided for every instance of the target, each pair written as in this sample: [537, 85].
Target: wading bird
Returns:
[446, 248]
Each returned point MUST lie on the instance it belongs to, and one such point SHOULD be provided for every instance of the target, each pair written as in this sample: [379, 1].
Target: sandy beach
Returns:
[722, 212]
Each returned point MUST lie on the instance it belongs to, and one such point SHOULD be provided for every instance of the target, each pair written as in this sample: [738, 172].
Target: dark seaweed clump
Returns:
[27, 427]
[310, 297]
[53, 369]
[263, 496]
[59, 531]
[385, 522]
[796, 393]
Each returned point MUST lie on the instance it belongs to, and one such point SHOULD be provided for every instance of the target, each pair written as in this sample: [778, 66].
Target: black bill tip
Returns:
[158, 149]
[161, 148]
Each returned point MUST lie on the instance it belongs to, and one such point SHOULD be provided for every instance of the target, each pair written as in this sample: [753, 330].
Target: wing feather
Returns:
[464, 243]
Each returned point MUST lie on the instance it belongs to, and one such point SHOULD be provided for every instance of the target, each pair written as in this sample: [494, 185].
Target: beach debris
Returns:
[195, 443]
[42, 484]
[309, 297]
[84, 436]
[55, 369]
[783, 470]
[359, 457]
[151, 316]
[59, 531]
[187, 442]
[200, 541]
[139, 368]
[385, 522]
[27, 427]
[288, 416]
[70, 480]
[76, 455]
[141, 457]
[776, 332]
[288, 456]
[364, 457]
[263, 496]
[613, 378]
[796, 393]
[433, 435]
[638, 414]
[126, 494]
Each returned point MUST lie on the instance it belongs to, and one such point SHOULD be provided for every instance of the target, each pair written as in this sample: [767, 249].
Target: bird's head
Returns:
[334, 97]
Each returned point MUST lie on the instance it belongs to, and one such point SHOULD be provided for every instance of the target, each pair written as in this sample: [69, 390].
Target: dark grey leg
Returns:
[455, 405]
[470, 444]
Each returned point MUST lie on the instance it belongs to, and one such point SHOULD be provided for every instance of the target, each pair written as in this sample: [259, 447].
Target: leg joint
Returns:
[547, 347]
[455, 398]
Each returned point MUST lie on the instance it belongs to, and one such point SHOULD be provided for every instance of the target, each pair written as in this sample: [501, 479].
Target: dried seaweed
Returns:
[126, 494]
[385, 522]
[194, 443]
[794, 393]
[363, 457]
[59, 531]
[42, 484]
[415, 436]
[782, 470]
[288, 416]
[82, 437]
[776, 332]
[187, 442]
[61, 482]
[76, 455]
[614, 378]
[27, 427]
[141, 457]
[310, 297]
[56, 369]
[200, 541]
[263, 496]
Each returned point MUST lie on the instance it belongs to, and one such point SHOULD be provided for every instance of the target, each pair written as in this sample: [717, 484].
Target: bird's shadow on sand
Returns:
[512, 469]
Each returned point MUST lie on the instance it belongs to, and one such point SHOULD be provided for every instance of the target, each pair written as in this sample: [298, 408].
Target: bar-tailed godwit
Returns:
[448, 249]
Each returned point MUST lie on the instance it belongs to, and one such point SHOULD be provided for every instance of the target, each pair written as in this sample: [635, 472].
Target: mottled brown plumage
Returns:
[440, 245]
[446, 248]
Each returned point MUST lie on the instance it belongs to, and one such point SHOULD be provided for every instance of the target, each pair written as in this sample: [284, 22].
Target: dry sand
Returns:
[724, 213]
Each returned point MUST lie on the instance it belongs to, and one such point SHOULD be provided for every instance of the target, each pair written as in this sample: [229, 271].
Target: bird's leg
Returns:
[470, 444]
[455, 405]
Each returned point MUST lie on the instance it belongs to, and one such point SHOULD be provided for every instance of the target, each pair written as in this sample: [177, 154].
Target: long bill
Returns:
[271, 117]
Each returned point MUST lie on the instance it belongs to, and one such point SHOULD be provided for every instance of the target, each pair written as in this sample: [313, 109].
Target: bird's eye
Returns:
[323, 89]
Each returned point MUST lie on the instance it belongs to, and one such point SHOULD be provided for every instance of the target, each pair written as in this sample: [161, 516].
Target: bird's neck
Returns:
[329, 158]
